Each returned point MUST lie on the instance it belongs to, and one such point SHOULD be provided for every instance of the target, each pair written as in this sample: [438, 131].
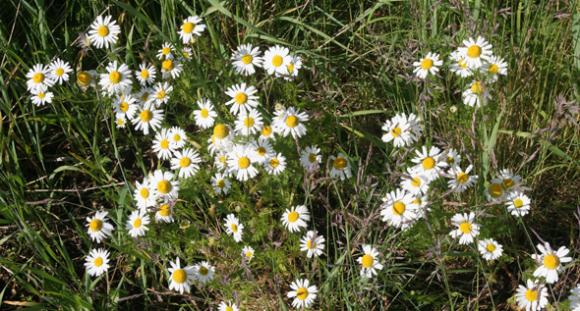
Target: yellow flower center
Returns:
[290, 68]
[302, 293]
[310, 244]
[203, 270]
[277, 61]
[204, 113]
[221, 131]
[244, 162]
[96, 225]
[161, 94]
[103, 31]
[266, 131]
[146, 115]
[474, 51]
[221, 183]
[41, 95]
[428, 163]
[465, 227]
[293, 216]
[462, 177]
[450, 160]
[493, 68]
[165, 50]
[241, 98]
[167, 65]
[144, 73]
[98, 261]
[416, 182]
[274, 163]
[228, 308]
[234, 227]
[184, 162]
[312, 157]
[38, 77]
[518, 203]
[551, 261]
[164, 143]
[164, 186]
[495, 190]
[59, 71]
[531, 295]
[507, 183]
[247, 59]
[339, 163]
[261, 151]
[292, 121]
[249, 122]
[426, 63]
[462, 63]
[179, 276]
[399, 208]
[477, 87]
[176, 137]
[144, 193]
[84, 78]
[164, 210]
[367, 261]
[490, 247]
[396, 132]
[417, 201]
[187, 27]
[114, 77]
[124, 106]
[137, 223]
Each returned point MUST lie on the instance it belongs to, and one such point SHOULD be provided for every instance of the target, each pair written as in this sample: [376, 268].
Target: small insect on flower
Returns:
[221, 184]
[475, 52]
[165, 185]
[477, 94]
[312, 244]
[171, 68]
[402, 130]
[290, 121]
[180, 279]
[295, 218]
[276, 60]
[459, 64]
[125, 104]
[98, 227]
[117, 80]
[303, 294]
[205, 116]
[186, 162]
[495, 67]
[160, 94]
[164, 213]
[249, 122]
[248, 253]
[242, 98]
[137, 223]
[518, 204]
[191, 27]
[148, 117]
[104, 32]
[59, 71]
[162, 146]
[228, 306]
[550, 261]
[275, 164]
[489, 249]
[414, 182]
[429, 162]
[203, 272]
[233, 227]
[575, 298]
[533, 296]
[246, 59]
[427, 65]
[97, 262]
[146, 74]
[241, 162]
[166, 51]
[145, 194]
[369, 262]
[310, 158]
[460, 179]
[39, 78]
[466, 230]
[398, 209]
[340, 167]
[40, 96]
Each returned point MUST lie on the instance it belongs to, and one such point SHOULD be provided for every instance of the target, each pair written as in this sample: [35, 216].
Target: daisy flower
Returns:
[452, 157]
[171, 68]
[303, 294]
[429, 162]
[340, 167]
[312, 244]
[59, 71]
[221, 161]
[249, 122]
[369, 262]
[246, 59]
[242, 98]
[164, 184]
[166, 51]
[125, 104]
[459, 65]
[295, 218]
[86, 79]
[427, 65]
[144, 194]
[266, 133]
[98, 227]
[276, 60]
[203, 272]
[248, 253]
[575, 298]
[489, 249]
[186, 162]
[276, 164]
[160, 93]
[117, 79]
[228, 306]
[310, 158]
[550, 261]
[104, 32]
[476, 95]
[241, 161]
[233, 227]
[161, 144]
[39, 77]
[494, 191]
[398, 209]
[495, 67]
[144, 95]
[137, 223]
[205, 115]
[414, 182]
[293, 67]
[475, 52]
[97, 262]
[120, 120]
[402, 130]
[40, 96]
[186, 54]
[164, 213]
[466, 228]
[290, 121]
[180, 278]
[509, 180]
[518, 204]
[148, 117]
[533, 296]
[460, 179]
[191, 27]
[221, 185]
[177, 137]
[146, 74]
[263, 150]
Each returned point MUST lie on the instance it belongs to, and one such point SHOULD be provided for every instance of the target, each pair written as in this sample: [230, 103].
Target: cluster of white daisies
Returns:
[474, 60]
